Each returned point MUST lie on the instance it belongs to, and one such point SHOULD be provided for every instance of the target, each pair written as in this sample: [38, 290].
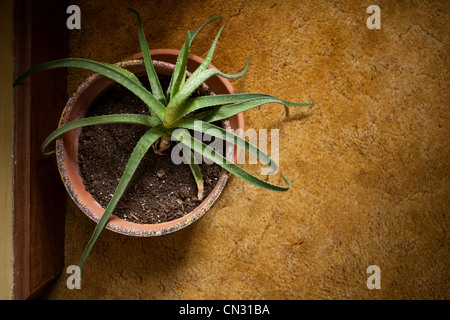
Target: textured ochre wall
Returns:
[369, 164]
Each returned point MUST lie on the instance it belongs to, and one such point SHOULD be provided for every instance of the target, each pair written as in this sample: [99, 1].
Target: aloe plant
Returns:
[168, 112]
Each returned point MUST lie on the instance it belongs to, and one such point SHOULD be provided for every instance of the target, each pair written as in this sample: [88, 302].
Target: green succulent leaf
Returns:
[205, 64]
[138, 153]
[217, 100]
[194, 33]
[196, 171]
[247, 101]
[121, 76]
[185, 138]
[179, 74]
[174, 110]
[106, 119]
[195, 81]
[151, 73]
[218, 132]
[226, 112]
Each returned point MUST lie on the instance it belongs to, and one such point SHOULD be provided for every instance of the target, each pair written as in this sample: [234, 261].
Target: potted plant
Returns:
[173, 115]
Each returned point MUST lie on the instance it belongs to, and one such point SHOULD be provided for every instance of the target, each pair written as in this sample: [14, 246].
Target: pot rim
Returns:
[94, 211]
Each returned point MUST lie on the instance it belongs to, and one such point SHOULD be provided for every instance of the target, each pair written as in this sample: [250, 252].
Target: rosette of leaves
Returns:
[168, 113]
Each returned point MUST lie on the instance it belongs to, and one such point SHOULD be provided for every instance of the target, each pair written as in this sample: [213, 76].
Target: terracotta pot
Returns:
[67, 146]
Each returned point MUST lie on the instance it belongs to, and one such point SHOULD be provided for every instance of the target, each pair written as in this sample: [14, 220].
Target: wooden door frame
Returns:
[39, 196]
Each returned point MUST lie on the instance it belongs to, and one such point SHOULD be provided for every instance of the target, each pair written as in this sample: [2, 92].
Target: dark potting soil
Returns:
[159, 191]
